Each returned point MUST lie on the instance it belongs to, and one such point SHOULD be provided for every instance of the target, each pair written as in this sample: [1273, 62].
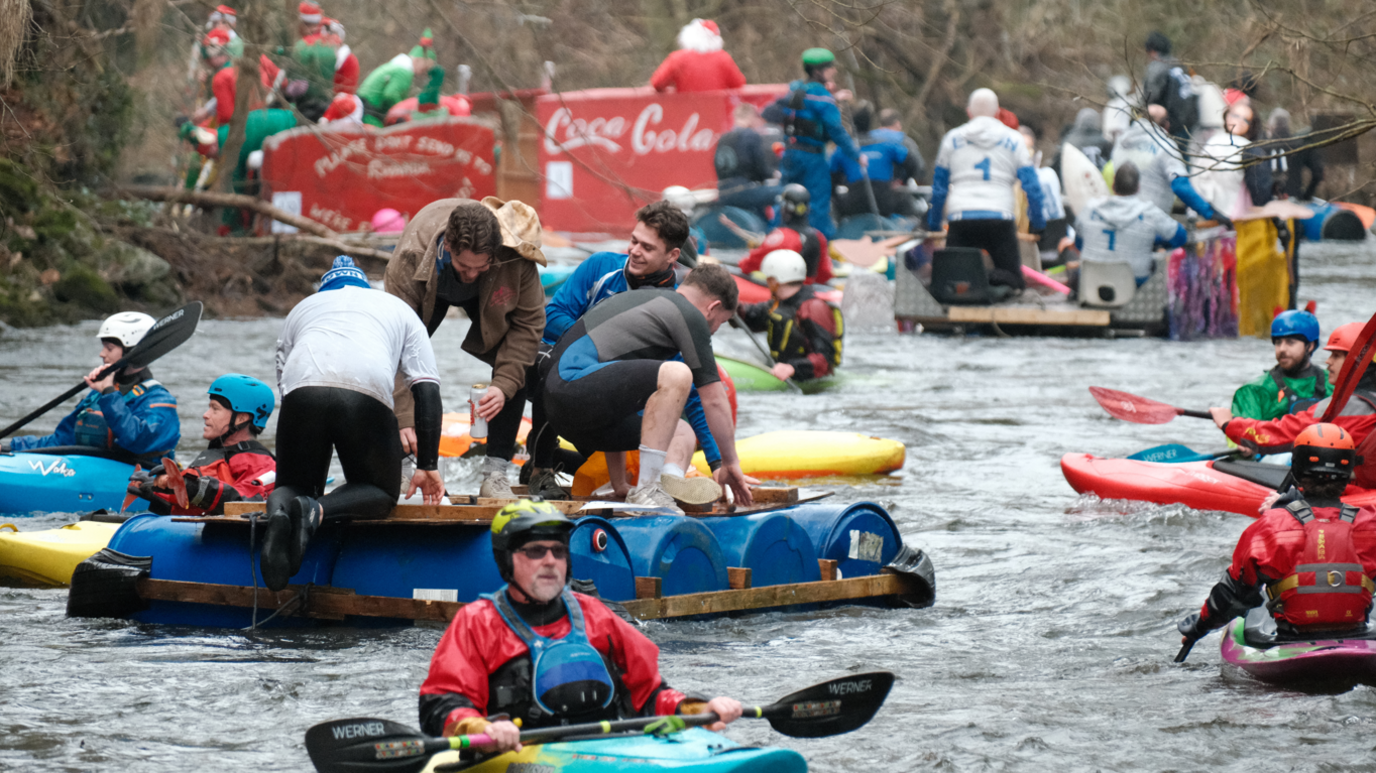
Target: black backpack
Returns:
[1182, 102]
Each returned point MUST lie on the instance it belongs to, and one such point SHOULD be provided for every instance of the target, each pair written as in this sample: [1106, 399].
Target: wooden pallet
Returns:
[478, 511]
[325, 603]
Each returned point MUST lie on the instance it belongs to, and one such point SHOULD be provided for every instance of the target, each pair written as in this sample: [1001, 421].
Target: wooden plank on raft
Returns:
[771, 596]
[320, 602]
[478, 514]
[648, 587]
[738, 577]
[828, 568]
[1017, 315]
[775, 495]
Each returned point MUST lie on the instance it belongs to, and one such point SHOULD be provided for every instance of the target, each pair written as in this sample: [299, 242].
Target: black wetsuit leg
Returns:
[361, 429]
[1000, 239]
[502, 429]
[602, 410]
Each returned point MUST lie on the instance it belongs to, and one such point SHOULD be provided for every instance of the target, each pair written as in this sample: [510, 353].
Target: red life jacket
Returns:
[1328, 588]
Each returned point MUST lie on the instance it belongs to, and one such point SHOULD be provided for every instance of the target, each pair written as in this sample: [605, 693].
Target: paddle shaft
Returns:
[1185, 650]
[763, 351]
[546, 734]
[1195, 414]
[869, 190]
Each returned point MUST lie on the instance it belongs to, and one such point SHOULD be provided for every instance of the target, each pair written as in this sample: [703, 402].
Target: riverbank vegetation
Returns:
[90, 91]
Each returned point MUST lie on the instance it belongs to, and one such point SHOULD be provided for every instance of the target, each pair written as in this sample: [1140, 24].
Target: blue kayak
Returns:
[694, 750]
[65, 479]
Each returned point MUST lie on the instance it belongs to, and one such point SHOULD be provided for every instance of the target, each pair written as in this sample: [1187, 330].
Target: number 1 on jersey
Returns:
[984, 166]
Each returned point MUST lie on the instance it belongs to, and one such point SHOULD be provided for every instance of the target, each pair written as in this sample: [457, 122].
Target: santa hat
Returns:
[427, 38]
[345, 107]
[701, 35]
[310, 13]
[215, 42]
[226, 14]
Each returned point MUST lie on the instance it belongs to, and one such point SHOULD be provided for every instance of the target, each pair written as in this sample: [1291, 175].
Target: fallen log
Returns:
[318, 233]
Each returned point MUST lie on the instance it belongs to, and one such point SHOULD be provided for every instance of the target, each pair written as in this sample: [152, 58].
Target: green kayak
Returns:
[750, 377]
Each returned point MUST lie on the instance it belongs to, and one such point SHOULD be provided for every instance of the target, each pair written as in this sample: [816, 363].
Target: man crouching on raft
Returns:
[625, 372]
[591, 666]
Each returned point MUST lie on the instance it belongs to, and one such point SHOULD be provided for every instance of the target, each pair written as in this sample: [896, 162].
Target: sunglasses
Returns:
[537, 552]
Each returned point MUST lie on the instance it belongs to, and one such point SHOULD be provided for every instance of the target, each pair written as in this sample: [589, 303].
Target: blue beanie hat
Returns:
[344, 274]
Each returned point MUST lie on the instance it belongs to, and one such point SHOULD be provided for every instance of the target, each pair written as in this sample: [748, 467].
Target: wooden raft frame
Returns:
[326, 603]
[479, 512]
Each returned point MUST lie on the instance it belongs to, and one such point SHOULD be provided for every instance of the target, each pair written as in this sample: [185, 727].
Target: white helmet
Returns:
[784, 266]
[681, 198]
[127, 327]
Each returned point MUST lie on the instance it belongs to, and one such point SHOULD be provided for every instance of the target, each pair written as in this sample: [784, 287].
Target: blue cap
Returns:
[343, 274]
[1300, 324]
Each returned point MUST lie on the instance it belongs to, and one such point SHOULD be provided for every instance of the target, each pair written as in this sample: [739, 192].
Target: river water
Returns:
[1049, 647]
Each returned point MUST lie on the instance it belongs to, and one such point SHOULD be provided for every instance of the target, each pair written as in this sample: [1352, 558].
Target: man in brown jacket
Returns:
[481, 257]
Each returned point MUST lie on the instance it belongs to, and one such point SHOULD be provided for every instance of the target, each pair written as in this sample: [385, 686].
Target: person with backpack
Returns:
[811, 120]
[1168, 84]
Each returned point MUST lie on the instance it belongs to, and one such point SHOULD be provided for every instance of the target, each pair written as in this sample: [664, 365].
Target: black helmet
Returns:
[796, 201]
[522, 521]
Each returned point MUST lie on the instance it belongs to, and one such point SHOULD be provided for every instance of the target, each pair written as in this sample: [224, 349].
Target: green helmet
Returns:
[522, 521]
[818, 57]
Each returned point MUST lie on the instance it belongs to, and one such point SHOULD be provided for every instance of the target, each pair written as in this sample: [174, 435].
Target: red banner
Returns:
[341, 176]
[607, 152]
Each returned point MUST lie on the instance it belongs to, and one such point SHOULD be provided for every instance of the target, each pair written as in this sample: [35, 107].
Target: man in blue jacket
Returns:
[811, 119]
[126, 411]
[893, 160]
[656, 242]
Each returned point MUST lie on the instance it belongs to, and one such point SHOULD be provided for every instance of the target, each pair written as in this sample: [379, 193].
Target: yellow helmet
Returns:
[523, 521]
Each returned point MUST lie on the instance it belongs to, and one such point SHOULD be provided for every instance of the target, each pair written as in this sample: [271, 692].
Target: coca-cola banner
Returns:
[607, 152]
[342, 176]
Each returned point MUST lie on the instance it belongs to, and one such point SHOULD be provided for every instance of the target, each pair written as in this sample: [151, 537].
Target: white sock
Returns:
[651, 464]
[493, 464]
[672, 469]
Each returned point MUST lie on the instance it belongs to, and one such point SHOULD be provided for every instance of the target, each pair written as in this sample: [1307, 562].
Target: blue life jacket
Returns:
[568, 676]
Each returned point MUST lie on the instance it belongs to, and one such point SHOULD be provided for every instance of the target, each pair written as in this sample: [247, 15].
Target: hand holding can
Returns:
[477, 425]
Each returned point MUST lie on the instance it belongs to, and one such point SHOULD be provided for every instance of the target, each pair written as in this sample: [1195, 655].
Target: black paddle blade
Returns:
[166, 334]
[365, 744]
[831, 708]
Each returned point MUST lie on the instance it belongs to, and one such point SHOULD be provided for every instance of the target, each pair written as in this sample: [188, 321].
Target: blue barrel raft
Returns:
[434, 563]
[775, 549]
[63, 479]
[598, 553]
[861, 538]
[678, 550]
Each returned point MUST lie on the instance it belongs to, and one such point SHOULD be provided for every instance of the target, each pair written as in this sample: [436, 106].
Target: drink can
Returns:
[477, 427]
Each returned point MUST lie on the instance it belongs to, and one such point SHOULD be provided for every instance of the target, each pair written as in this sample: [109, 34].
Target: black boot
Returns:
[274, 559]
[306, 514]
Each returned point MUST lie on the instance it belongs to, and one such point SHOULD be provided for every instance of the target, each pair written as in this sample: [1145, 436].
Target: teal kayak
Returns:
[64, 479]
[694, 750]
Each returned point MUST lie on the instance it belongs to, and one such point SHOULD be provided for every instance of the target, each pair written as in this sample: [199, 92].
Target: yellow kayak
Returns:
[786, 454]
[813, 454]
[47, 558]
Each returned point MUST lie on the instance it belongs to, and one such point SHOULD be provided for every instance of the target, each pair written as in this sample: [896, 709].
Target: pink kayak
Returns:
[1252, 645]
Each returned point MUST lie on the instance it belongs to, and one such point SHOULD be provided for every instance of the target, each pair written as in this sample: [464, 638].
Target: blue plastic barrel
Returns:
[218, 554]
[677, 549]
[438, 563]
[775, 549]
[861, 538]
[599, 554]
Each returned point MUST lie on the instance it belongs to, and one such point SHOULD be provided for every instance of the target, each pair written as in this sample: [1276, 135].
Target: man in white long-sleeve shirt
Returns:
[337, 360]
[976, 168]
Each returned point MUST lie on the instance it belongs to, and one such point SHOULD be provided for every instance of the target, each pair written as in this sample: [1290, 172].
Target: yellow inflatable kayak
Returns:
[47, 558]
[787, 454]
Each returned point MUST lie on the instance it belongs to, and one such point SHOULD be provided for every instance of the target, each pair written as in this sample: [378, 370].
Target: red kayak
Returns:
[1199, 485]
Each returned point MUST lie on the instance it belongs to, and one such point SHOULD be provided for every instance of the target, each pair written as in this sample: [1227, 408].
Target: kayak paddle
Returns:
[365, 744]
[1353, 368]
[166, 334]
[740, 323]
[1174, 453]
[175, 481]
[1140, 410]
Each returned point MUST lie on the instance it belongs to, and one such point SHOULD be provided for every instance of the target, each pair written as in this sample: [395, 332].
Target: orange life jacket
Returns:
[1328, 588]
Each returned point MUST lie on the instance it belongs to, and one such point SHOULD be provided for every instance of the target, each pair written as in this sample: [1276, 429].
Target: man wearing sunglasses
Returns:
[480, 257]
[541, 653]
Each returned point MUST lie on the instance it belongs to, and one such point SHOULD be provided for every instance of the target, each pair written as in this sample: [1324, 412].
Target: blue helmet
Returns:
[245, 394]
[1301, 324]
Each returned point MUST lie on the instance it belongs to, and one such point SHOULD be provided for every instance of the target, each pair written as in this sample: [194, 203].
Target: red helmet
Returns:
[1342, 339]
[1324, 451]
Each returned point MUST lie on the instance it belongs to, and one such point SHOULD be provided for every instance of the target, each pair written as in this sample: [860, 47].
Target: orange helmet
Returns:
[1342, 339]
[1324, 451]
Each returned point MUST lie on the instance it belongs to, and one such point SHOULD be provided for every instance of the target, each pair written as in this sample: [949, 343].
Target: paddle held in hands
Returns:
[1140, 410]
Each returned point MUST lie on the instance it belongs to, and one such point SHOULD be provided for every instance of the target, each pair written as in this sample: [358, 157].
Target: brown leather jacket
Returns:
[509, 294]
